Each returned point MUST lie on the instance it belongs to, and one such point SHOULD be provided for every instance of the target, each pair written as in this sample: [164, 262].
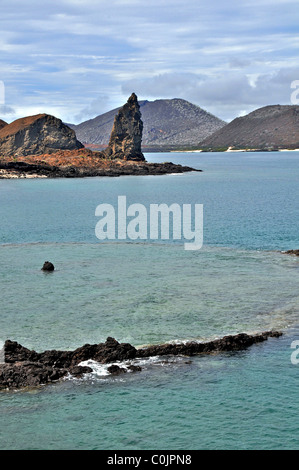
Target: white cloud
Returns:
[226, 95]
[75, 57]
[100, 105]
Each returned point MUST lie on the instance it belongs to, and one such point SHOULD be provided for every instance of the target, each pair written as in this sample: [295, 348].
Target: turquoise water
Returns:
[148, 292]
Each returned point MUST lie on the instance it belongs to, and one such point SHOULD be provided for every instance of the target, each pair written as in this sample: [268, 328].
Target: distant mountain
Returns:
[267, 128]
[167, 124]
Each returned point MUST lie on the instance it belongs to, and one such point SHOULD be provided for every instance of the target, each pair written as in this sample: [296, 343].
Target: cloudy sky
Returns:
[76, 59]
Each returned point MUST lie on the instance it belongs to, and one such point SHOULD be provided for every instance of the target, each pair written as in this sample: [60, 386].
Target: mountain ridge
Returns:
[267, 128]
[173, 123]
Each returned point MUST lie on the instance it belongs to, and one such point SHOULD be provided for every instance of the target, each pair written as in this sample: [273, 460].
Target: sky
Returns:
[76, 59]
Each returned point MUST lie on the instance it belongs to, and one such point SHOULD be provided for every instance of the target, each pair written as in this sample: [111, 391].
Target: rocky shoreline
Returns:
[23, 367]
[42, 146]
[9, 170]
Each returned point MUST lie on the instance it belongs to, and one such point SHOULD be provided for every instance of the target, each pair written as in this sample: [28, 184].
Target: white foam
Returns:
[98, 369]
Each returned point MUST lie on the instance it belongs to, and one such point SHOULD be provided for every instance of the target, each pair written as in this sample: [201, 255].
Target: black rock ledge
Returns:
[23, 170]
[27, 368]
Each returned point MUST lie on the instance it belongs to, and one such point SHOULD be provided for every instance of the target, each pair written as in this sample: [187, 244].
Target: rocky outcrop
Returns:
[23, 367]
[104, 353]
[32, 374]
[126, 135]
[37, 135]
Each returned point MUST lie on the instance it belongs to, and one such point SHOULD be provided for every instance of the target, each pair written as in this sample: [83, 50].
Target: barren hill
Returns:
[2, 124]
[267, 128]
[37, 134]
[173, 123]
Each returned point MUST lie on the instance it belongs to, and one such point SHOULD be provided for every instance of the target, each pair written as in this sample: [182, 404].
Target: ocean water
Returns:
[147, 292]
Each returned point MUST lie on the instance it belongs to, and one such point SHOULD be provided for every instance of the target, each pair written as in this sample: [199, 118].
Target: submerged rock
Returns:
[292, 252]
[23, 367]
[134, 368]
[116, 370]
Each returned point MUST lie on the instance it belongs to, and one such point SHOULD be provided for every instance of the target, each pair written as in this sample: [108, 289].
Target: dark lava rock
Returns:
[23, 367]
[292, 252]
[116, 370]
[134, 368]
[48, 266]
[28, 374]
[109, 351]
[126, 135]
[227, 343]
[79, 371]
[112, 169]
[104, 353]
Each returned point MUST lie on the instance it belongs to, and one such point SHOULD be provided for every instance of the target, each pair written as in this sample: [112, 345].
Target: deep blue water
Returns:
[154, 291]
[250, 200]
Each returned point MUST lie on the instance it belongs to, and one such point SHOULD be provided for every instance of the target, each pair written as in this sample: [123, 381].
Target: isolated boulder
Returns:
[48, 266]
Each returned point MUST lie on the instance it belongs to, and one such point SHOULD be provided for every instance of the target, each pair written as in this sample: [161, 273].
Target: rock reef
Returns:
[23, 367]
[292, 252]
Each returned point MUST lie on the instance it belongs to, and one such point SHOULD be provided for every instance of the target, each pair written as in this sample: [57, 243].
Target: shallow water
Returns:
[142, 293]
[148, 292]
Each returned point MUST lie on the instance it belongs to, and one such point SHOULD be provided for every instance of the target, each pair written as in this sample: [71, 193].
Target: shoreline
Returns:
[23, 170]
